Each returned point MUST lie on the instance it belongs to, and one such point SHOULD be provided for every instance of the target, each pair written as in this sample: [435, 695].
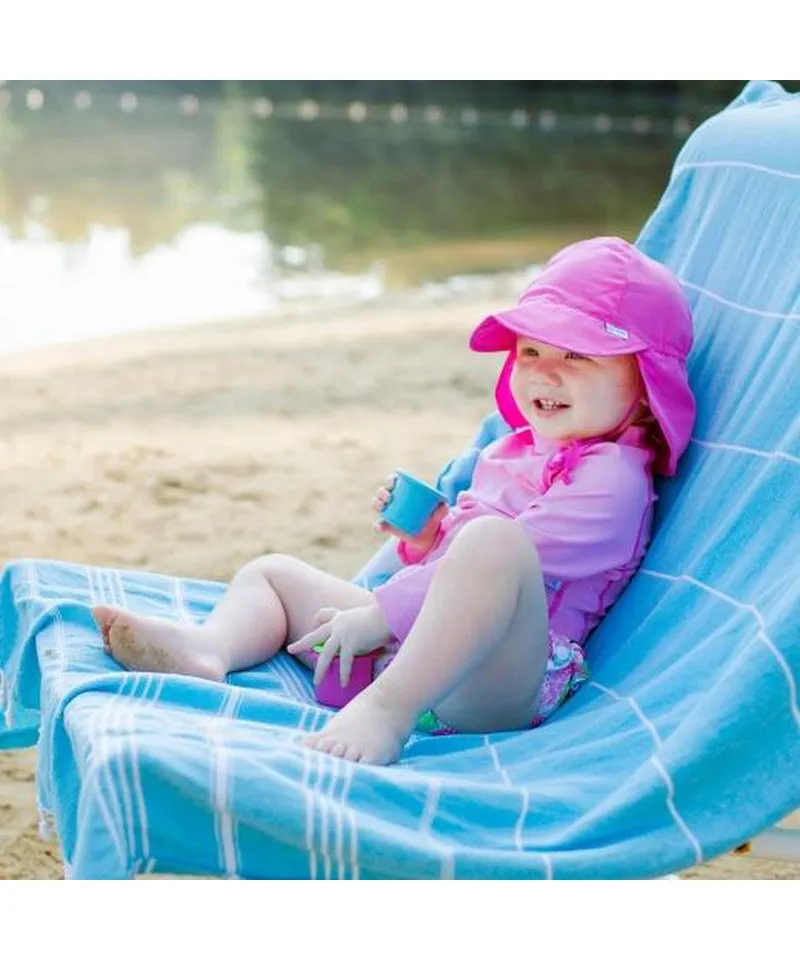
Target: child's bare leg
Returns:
[476, 654]
[271, 601]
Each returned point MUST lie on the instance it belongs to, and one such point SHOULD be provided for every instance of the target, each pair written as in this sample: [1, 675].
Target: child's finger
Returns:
[345, 665]
[382, 496]
[323, 615]
[434, 522]
[441, 511]
[381, 526]
[329, 651]
[391, 480]
[310, 640]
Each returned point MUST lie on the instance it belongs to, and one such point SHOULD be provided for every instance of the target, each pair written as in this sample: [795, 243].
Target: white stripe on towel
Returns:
[496, 761]
[662, 771]
[668, 782]
[751, 451]
[747, 608]
[753, 311]
[734, 164]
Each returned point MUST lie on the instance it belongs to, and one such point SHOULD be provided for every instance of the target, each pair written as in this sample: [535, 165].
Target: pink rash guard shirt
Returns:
[587, 508]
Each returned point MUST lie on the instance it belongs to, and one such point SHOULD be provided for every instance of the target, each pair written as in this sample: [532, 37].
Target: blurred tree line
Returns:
[362, 185]
[347, 186]
[367, 185]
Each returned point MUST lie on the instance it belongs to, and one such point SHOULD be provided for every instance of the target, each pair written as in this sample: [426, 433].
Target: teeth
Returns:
[549, 404]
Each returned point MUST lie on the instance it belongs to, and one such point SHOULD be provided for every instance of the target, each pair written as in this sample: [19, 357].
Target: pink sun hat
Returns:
[603, 297]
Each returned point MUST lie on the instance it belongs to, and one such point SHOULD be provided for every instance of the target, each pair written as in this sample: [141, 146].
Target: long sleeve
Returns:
[591, 529]
[594, 524]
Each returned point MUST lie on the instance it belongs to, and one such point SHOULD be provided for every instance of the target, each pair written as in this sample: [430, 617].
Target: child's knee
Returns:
[278, 569]
[497, 542]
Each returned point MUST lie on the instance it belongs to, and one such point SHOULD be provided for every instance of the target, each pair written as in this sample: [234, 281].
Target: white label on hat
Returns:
[616, 331]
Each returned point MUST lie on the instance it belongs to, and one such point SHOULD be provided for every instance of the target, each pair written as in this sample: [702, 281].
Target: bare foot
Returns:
[370, 729]
[158, 646]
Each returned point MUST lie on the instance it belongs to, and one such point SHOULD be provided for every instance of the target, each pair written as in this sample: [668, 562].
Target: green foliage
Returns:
[348, 187]
[380, 185]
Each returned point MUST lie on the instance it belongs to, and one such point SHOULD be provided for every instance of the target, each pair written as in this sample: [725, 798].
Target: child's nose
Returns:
[547, 370]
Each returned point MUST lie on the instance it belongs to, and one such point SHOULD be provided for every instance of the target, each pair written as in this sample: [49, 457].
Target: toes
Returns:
[104, 617]
[336, 748]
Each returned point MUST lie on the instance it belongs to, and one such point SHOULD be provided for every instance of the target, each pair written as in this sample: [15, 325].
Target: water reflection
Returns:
[57, 291]
[125, 212]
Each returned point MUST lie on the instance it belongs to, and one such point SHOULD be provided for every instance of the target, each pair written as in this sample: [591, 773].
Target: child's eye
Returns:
[529, 352]
[571, 355]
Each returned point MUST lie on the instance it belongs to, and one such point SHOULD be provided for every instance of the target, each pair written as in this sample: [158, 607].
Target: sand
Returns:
[190, 451]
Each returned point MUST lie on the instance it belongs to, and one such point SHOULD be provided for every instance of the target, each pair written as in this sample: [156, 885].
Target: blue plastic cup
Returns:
[412, 505]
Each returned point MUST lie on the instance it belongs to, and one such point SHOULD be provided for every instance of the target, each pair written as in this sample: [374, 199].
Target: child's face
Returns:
[568, 396]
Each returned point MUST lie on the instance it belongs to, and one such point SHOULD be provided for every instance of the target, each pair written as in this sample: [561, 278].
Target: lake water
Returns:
[121, 213]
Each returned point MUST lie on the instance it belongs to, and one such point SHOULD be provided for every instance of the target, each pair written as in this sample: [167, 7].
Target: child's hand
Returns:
[348, 633]
[424, 540]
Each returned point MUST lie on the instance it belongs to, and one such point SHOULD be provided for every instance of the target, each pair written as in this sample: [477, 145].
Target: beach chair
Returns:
[685, 743]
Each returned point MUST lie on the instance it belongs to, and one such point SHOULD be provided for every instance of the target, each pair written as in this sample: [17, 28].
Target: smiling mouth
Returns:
[549, 406]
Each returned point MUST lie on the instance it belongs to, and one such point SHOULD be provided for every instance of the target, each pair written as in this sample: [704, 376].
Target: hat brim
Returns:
[558, 326]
